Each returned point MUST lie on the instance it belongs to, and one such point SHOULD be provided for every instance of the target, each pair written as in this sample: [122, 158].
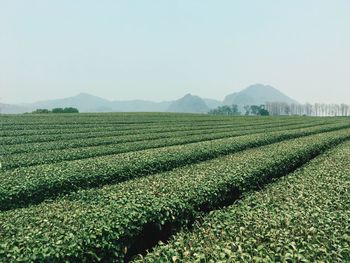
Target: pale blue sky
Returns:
[162, 49]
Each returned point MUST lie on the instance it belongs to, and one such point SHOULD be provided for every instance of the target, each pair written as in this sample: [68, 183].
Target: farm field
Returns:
[161, 187]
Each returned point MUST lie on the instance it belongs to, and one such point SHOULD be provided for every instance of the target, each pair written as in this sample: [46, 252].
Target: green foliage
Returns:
[104, 223]
[256, 110]
[76, 132]
[65, 110]
[27, 185]
[263, 112]
[70, 110]
[302, 218]
[233, 110]
[56, 110]
[226, 110]
[101, 180]
[77, 149]
[41, 111]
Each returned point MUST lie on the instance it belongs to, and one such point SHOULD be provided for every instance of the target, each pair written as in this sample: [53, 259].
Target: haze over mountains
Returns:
[253, 95]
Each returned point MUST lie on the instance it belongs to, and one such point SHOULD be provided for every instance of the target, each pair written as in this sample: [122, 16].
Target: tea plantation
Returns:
[161, 187]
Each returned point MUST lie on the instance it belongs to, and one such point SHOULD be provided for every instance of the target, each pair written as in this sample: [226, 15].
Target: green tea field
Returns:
[162, 187]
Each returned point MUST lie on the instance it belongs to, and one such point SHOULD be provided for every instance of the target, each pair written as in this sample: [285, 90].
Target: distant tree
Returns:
[259, 110]
[225, 110]
[65, 110]
[254, 109]
[41, 111]
[70, 110]
[234, 109]
[214, 112]
[57, 110]
[263, 112]
[317, 109]
[247, 109]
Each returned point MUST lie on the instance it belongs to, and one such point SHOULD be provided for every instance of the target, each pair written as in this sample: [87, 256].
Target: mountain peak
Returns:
[85, 95]
[257, 94]
[188, 95]
[259, 86]
[189, 103]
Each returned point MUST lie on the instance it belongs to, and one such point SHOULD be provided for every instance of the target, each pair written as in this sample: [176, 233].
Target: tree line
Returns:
[56, 110]
[234, 110]
[281, 108]
[317, 109]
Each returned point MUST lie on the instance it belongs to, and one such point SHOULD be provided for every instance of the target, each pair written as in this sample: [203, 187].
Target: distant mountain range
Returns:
[253, 95]
[89, 103]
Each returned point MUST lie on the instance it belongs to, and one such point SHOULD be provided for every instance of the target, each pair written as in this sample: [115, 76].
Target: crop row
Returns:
[302, 218]
[89, 128]
[17, 122]
[55, 128]
[125, 144]
[80, 131]
[95, 139]
[122, 118]
[114, 132]
[26, 185]
[107, 223]
[95, 118]
[104, 139]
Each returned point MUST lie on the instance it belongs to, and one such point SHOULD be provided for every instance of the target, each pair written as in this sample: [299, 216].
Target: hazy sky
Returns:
[162, 49]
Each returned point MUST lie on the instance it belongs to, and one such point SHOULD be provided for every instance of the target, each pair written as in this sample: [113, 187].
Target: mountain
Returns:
[89, 103]
[83, 101]
[256, 95]
[189, 104]
[253, 95]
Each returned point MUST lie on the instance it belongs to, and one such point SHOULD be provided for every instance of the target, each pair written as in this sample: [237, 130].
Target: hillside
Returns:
[257, 94]
[189, 104]
[82, 101]
[89, 103]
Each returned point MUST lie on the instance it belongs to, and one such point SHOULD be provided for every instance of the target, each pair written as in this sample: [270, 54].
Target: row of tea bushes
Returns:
[304, 217]
[27, 185]
[85, 140]
[62, 134]
[31, 129]
[126, 144]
